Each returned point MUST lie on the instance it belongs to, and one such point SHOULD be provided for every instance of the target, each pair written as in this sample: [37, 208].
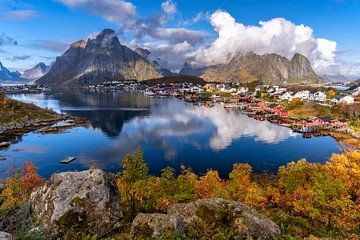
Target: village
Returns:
[261, 102]
[265, 102]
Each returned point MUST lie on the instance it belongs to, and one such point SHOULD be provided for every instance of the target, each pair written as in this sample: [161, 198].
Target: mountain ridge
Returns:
[36, 72]
[7, 76]
[268, 68]
[98, 60]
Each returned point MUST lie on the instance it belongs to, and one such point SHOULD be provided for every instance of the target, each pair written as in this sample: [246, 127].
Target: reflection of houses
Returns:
[343, 99]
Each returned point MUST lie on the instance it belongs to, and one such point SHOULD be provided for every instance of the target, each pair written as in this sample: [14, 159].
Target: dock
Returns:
[68, 160]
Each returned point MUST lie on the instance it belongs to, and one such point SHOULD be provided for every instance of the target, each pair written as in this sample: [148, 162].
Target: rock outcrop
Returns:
[98, 60]
[267, 68]
[87, 201]
[206, 217]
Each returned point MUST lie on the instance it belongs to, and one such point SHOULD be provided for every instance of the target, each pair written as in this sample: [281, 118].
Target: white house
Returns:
[317, 96]
[287, 96]
[243, 90]
[303, 95]
[343, 99]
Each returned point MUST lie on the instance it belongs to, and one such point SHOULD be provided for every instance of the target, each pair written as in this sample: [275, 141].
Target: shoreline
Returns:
[10, 132]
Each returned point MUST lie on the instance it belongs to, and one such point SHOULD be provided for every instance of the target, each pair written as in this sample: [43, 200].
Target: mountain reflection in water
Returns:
[170, 131]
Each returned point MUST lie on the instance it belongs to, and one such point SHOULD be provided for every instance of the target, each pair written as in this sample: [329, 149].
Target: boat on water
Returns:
[68, 160]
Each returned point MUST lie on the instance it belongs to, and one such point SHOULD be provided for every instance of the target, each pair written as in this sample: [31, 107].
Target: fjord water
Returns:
[170, 131]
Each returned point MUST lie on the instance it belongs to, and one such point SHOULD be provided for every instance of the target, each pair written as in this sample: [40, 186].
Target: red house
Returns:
[339, 123]
[259, 106]
[274, 108]
[322, 120]
[283, 114]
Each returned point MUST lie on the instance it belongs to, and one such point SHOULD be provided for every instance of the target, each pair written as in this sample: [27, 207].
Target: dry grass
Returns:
[12, 111]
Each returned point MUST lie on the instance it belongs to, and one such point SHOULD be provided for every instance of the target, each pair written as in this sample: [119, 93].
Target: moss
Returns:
[75, 201]
[143, 232]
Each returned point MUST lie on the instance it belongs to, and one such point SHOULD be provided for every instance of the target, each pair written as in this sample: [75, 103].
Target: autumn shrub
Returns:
[19, 186]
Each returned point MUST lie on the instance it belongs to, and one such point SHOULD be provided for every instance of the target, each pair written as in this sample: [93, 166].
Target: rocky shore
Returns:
[9, 132]
[88, 203]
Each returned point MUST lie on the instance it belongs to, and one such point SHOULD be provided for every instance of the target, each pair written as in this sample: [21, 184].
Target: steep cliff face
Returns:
[268, 68]
[98, 60]
[36, 72]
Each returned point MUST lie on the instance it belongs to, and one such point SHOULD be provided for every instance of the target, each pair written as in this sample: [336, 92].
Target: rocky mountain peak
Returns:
[142, 52]
[98, 60]
[36, 72]
[268, 68]
[78, 44]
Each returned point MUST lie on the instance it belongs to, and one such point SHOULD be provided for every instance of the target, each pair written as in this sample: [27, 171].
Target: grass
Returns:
[13, 112]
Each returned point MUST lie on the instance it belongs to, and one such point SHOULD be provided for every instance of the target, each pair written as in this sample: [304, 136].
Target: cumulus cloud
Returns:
[123, 13]
[169, 7]
[18, 15]
[277, 35]
[170, 56]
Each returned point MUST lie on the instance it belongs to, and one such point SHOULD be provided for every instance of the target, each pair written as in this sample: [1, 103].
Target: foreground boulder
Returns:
[206, 218]
[87, 201]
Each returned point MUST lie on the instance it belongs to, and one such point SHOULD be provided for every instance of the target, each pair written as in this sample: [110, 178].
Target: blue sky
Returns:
[38, 30]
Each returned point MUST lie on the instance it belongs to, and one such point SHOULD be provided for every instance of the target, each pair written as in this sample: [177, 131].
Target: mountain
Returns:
[335, 78]
[7, 76]
[354, 83]
[98, 60]
[36, 72]
[146, 54]
[267, 68]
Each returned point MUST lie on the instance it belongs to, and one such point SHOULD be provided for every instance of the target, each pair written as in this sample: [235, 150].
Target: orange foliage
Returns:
[19, 187]
[209, 185]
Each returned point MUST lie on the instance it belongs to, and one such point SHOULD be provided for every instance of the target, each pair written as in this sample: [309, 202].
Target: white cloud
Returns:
[169, 7]
[18, 15]
[171, 56]
[119, 12]
[277, 35]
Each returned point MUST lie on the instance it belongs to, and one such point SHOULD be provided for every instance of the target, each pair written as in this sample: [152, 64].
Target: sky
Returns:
[205, 32]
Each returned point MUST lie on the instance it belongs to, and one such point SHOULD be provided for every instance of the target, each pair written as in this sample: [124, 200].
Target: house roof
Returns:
[325, 119]
[273, 105]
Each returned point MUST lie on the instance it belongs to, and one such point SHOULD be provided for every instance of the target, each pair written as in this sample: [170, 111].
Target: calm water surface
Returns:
[170, 131]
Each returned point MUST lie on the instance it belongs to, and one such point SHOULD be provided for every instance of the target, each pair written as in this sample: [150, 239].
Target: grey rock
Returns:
[145, 225]
[5, 236]
[245, 222]
[87, 200]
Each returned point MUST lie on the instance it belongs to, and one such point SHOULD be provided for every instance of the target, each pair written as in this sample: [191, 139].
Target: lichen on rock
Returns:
[88, 201]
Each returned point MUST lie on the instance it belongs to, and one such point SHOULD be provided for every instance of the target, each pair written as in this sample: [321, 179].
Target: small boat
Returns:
[68, 160]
